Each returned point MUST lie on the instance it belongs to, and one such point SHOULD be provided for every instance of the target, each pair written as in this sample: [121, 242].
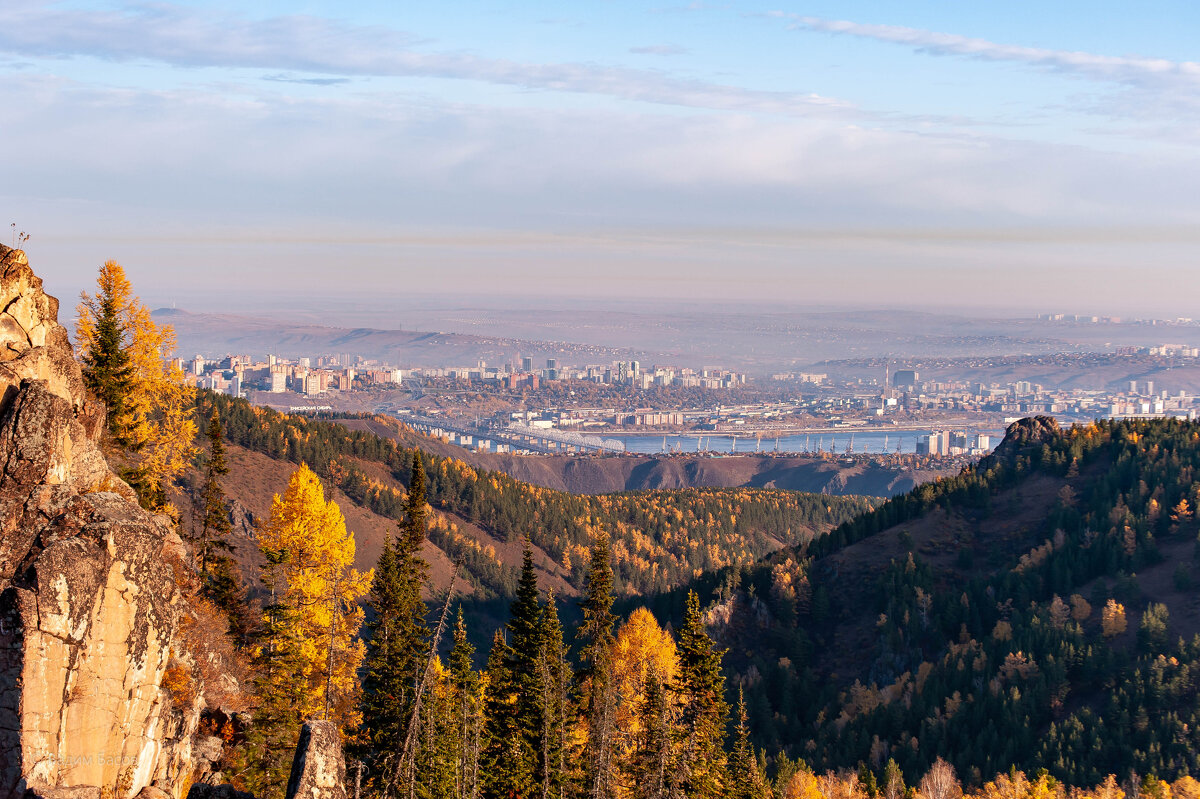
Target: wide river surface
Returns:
[860, 441]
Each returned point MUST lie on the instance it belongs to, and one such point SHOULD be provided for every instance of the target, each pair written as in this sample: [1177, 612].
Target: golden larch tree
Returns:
[312, 555]
[1112, 619]
[641, 646]
[153, 419]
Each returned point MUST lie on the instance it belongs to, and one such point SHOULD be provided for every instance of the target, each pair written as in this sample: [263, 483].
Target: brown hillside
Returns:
[254, 479]
[602, 475]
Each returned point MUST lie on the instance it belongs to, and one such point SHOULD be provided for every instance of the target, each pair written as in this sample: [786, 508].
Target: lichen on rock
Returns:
[89, 597]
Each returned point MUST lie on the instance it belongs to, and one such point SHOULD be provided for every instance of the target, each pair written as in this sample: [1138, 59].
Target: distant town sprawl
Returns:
[956, 407]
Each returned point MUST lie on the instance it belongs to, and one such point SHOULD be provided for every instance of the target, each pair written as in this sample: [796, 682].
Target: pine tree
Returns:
[515, 718]
[704, 712]
[742, 782]
[107, 370]
[653, 773]
[506, 767]
[385, 683]
[557, 713]
[468, 725]
[215, 526]
[265, 762]
[595, 676]
[397, 650]
[217, 569]
[525, 635]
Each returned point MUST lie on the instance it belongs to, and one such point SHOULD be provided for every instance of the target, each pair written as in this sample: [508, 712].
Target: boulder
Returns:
[319, 767]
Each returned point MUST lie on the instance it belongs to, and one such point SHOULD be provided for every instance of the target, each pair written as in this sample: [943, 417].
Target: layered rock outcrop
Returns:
[89, 603]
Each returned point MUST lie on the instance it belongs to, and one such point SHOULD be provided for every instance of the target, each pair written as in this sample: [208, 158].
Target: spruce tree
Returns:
[557, 713]
[654, 767]
[397, 650]
[524, 627]
[265, 761]
[506, 764]
[595, 677]
[515, 717]
[107, 365]
[386, 684]
[742, 783]
[468, 725]
[222, 582]
[704, 712]
[215, 526]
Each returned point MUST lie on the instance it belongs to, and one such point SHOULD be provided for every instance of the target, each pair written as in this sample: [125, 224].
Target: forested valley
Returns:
[1027, 628]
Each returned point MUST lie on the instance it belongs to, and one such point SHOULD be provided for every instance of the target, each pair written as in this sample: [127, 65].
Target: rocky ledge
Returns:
[89, 603]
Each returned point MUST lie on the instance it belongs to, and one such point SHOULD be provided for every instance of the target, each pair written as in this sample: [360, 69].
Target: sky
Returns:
[1023, 154]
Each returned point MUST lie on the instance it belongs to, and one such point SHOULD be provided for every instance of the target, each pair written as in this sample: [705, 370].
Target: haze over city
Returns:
[944, 155]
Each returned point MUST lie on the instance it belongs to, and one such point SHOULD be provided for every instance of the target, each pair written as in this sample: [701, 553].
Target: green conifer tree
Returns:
[704, 711]
[506, 767]
[557, 713]
[408, 633]
[653, 774]
[215, 527]
[387, 676]
[525, 635]
[595, 677]
[742, 766]
[264, 763]
[468, 725]
[222, 582]
[107, 366]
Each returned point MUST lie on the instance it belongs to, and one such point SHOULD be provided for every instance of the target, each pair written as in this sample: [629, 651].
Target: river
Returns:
[859, 441]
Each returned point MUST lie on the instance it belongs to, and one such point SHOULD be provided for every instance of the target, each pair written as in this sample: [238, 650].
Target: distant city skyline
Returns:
[1038, 157]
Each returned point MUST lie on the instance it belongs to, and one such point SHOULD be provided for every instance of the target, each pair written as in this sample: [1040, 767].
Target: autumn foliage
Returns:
[127, 362]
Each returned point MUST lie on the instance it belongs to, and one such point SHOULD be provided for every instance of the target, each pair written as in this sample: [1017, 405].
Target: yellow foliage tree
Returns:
[1015, 785]
[311, 552]
[802, 785]
[1112, 619]
[1081, 609]
[153, 419]
[1185, 788]
[641, 646]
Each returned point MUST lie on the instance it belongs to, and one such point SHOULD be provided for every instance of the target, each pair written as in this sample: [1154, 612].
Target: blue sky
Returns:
[928, 153]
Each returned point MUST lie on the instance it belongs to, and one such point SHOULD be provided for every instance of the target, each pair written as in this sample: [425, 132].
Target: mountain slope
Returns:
[977, 618]
[660, 538]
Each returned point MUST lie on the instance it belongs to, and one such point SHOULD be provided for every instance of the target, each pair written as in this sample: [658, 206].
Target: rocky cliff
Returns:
[89, 604]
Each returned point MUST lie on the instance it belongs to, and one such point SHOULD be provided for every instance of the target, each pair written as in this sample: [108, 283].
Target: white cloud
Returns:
[182, 37]
[1136, 70]
[199, 155]
[659, 49]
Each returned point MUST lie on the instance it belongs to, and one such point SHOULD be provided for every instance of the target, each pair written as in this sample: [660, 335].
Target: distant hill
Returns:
[1038, 610]
[215, 334]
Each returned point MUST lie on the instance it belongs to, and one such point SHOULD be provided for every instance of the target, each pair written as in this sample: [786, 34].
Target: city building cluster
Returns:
[233, 374]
